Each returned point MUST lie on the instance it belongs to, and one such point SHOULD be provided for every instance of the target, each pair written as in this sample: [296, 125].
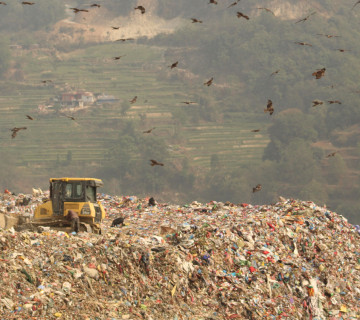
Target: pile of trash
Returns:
[290, 260]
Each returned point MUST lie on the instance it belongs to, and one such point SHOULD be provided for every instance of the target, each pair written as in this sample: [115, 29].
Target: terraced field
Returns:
[50, 137]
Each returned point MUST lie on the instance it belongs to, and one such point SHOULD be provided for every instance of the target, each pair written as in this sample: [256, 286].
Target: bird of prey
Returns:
[233, 4]
[303, 44]
[319, 73]
[188, 102]
[28, 3]
[332, 154]
[213, 2]
[174, 65]
[274, 73]
[209, 82]
[317, 103]
[269, 107]
[119, 57]
[306, 18]
[156, 163]
[76, 10]
[95, 5]
[342, 50]
[267, 10]
[3, 3]
[29, 117]
[141, 8]
[240, 14]
[16, 130]
[149, 131]
[115, 28]
[194, 20]
[133, 100]
[125, 39]
[327, 35]
[334, 101]
[255, 130]
[356, 3]
[257, 188]
[70, 117]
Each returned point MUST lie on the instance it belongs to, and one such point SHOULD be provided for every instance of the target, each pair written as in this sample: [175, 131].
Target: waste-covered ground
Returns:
[289, 260]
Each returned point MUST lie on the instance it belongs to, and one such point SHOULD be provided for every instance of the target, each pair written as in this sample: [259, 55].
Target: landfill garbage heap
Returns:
[290, 260]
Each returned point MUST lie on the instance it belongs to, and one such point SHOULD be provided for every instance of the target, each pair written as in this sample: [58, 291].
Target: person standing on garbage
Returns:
[73, 217]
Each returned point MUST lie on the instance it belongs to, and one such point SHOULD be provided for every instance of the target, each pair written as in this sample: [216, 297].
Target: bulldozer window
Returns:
[90, 194]
[68, 190]
[74, 191]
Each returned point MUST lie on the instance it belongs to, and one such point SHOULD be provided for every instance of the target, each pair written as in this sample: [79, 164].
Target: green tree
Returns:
[125, 106]
[214, 162]
[314, 191]
[297, 165]
[336, 169]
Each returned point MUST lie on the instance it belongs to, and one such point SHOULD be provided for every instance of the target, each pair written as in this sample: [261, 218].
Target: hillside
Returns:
[220, 145]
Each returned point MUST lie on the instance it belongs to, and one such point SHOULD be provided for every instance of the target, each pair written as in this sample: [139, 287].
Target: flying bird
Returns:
[16, 130]
[174, 65]
[269, 107]
[303, 44]
[141, 8]
[334, 101]
[234, 4]
[267, 10]
[188, 102]
[257, 188]
[356, 3]
[29, 117]
[306, 18]
[46, 81]
[156, 163]
[149, 131]
[209, 82]
[319, 73]
[213, 2]
[125, 39]
[317, 103]
[133, 100]
[76, 10]
[332, 154]
[95, 5]
[255, 130]
[194, 20]
[70, 117]
[342, 50]
[115, 28]
[274, 73]
[327, 35]
[119, 57]
[28, 3]
[240, 14]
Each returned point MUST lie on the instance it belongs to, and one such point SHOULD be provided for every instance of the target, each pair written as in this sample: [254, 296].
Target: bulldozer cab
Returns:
[72, 190]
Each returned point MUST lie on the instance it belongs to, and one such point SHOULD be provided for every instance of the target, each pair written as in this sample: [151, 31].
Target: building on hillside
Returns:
[68, 99]
[84, 98]
[105, 98]
[87, 97]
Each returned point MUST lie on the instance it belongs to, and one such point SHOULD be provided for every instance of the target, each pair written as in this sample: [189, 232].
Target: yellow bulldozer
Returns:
[77, 194]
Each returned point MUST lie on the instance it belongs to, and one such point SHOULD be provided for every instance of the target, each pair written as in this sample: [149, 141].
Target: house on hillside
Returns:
[87, 97]
[105, 98]
[67, 99]
[76, 99]
[82, 99]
